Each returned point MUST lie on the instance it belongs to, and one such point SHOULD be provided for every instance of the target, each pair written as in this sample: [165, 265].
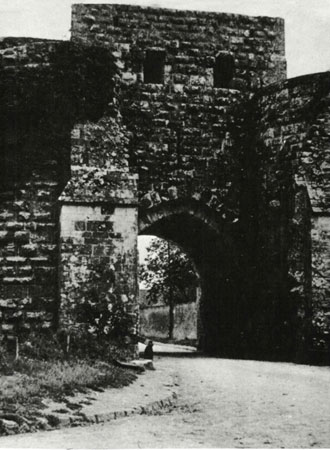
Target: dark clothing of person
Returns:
[148, 352]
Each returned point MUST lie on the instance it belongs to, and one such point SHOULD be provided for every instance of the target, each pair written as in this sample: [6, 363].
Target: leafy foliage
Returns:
[102, 312]
[168, 274]
[102, 319]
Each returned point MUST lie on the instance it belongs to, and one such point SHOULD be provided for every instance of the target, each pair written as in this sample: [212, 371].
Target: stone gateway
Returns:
[180, 124]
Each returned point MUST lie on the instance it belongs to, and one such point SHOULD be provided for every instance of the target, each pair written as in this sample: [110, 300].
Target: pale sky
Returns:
[307, 22]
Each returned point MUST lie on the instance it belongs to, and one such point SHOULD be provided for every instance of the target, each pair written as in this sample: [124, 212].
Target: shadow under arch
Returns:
[213, 250]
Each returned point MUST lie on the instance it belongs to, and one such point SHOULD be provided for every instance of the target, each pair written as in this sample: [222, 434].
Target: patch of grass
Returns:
[41, 374]
[33, 379]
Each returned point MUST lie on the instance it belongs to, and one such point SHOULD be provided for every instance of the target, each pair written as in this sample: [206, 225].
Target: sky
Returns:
[307, 22]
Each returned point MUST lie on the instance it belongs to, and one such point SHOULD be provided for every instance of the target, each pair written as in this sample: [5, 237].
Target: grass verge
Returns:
[28, 381]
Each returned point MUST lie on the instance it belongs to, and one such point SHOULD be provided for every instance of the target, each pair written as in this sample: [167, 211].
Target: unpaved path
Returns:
[222, 403]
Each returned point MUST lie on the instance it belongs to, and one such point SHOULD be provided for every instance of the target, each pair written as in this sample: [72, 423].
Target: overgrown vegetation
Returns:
[30, 380]
[82, 354]
[99, 324]
[44, 369]
[168, 274]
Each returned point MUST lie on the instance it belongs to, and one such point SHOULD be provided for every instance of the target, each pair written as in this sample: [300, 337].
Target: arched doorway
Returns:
[215, 257]
[169, 292]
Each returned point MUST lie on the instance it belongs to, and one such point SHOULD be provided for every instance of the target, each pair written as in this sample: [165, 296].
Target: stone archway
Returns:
[191, 226]
[238, 177]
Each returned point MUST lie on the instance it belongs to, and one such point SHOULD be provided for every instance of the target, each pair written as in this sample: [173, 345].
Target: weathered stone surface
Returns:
[9, 425]
[237, 175]
[41, 99]
[109, 248]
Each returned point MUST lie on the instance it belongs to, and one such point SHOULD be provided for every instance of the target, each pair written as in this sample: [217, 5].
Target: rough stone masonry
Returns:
[180, 124]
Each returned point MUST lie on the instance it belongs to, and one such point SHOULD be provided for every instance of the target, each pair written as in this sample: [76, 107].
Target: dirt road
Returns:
[221, 403]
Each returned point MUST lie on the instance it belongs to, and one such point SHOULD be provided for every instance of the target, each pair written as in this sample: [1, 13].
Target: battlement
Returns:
[189, 47]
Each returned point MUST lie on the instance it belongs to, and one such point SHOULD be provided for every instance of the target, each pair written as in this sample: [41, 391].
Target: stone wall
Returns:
[233, 170]
[98, 239]
[237, 156]
[294, 127]
[186, 137]
[181, 143]
[94, 237]
[41, 87]
[154, 322]
[191, 40]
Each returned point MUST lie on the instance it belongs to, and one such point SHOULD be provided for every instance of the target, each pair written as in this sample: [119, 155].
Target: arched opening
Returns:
[213, 254]
[169, 291]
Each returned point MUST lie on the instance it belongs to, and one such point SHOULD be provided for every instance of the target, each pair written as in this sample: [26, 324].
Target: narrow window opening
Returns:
[11, 162]
[224, 70]
[154, 66]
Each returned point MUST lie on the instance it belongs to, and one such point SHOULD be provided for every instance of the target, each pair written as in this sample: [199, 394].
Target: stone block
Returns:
[12, 260]
[17, 280]
[7, 327]
[14, 226]
[99, 226]
[24, 216]
[6, 216]
[80, 226]
[146, 363]
[5, 236]
[29, 249]
[9, 425]
[21, 236]
[39, 260]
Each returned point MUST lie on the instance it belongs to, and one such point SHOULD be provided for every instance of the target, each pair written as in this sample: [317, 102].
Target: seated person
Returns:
[148, 351]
